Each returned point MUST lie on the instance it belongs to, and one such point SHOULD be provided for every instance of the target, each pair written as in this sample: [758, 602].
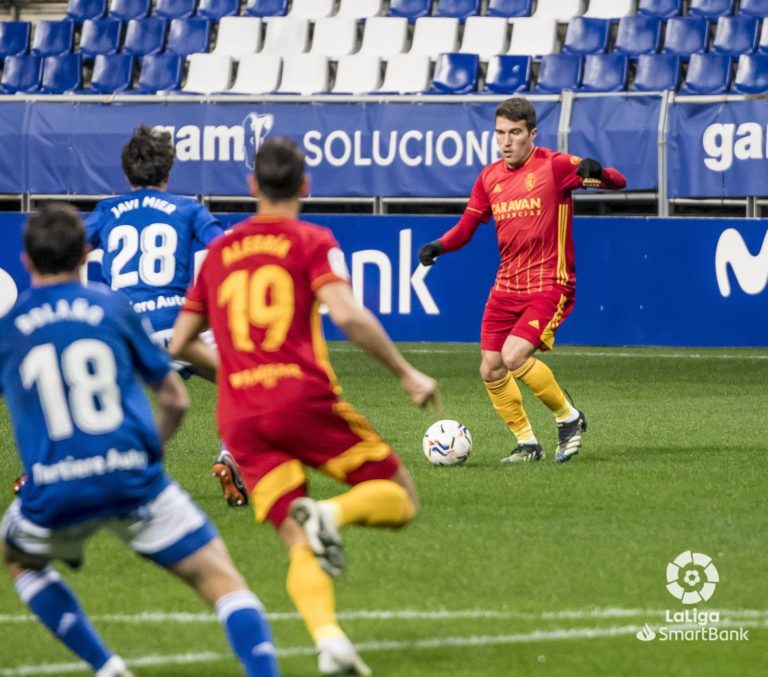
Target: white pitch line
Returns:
[557, 634]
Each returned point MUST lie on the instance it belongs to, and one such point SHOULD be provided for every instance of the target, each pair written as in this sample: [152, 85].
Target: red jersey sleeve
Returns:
[196, 300]
[477, 211]
[564, 167]
[326, 261]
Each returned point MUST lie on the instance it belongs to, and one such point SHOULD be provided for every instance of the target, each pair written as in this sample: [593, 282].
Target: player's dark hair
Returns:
[54, 239]
[516, 109]
[148, 157]
[279, 169]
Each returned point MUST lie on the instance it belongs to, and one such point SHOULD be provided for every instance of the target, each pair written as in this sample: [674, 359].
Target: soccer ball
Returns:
[447, 443]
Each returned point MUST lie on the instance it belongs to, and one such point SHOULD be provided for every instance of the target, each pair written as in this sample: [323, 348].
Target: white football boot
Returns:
[337, 656]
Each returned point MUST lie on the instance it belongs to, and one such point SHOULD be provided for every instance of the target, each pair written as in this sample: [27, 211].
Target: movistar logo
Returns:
[751, 272]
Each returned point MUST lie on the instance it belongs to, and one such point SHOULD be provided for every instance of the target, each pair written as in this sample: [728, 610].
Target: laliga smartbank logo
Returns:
[692, 578]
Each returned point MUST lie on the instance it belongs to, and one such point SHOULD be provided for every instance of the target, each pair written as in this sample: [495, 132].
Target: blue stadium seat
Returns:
[112, 73]
[410, 9]
[751, 74]
[735, 35]
[187, 36]
[662, 9]
[266, 8]
[604, 73]
[586, 36]
[61, 74]
[100, 37]
[755, 8]
[14, 38]
[638, 35]
[710, 9]
[455, 73]
[686, 35]
[707, 74]
[159, 72]
[175, 9]
[125, 10]
[53, 37]
[217, 9]
[508, 74]
[558, 72]
[21, 73]
[458, 9]
[657, 72]
[145, 36]
[80, 10]
[509, 8]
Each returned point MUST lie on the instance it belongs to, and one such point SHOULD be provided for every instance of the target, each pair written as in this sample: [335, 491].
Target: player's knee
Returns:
[514, 359]
[490, 373]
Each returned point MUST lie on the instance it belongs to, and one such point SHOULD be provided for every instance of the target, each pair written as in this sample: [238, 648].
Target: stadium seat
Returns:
[762, 46]
[238, 35]
[710, 9]
[662, 9]
[735, 35]
[145, 36]
[359, 9]
[14, 38]
[334, 37]
[657, 72]
[286, 35]
[410, 9]
[159, 72]
[434, 35]
[311, 9]
[216, 10]
[21, 73]
[587, 36]
[755, 8]
[707, 74]
[406, 74]
[112, 73]
[638, 35]
[175, 9]
[508, 74]
[751, 74]
[262, 8]
[560, 10]
[61, 74]
[458, 9]
[610, 9]
[455, 73]
[686, 35]
[533, 37]
[509, 8]
[80, 10]
[53, 37]
[208, 73]
[357, 74]
[125, 10]
[485, 36]
[604, 73]
[304, 74]
[100, 37]
[186, 36]
[558, 72]
[384, 36]
[257, 74]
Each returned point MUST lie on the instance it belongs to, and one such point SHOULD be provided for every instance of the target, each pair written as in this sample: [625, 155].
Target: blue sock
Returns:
[243, 618]
[51, 600]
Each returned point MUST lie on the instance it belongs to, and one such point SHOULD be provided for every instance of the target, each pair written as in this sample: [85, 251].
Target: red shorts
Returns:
[533, 317]
[272, 449]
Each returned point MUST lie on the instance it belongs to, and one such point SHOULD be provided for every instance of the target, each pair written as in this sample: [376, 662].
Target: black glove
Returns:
[591, 172]
[429, 252]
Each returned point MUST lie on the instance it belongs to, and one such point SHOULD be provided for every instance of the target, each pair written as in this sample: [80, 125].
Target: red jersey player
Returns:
[528, 194]
[278, 408]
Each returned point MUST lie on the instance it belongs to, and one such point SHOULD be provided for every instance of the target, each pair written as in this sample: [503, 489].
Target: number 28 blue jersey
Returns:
[149, 238]
[83, 424]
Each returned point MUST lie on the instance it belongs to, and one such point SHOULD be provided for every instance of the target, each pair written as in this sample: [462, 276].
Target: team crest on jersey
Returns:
[530, 181]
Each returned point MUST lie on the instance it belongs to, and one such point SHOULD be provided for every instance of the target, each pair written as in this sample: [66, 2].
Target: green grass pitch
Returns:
[542, 570]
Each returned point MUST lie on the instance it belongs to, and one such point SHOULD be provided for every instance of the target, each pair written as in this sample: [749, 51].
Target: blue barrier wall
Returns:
[676, 282]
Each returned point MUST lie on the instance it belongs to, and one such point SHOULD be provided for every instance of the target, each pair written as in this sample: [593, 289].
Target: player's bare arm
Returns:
[187, 345]
[172, 402]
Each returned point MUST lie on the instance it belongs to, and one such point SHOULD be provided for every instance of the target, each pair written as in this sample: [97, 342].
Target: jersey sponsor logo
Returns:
[751, 272]
[725, 142]
[158, 303]
[530, 181]
[266, 375]
[71, 468]
[527, 206]
[253, 245]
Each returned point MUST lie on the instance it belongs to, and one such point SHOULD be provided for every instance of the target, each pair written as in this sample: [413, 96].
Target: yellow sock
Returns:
[311, 590]
[508, 402]
[540, 379]
[375, 503]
